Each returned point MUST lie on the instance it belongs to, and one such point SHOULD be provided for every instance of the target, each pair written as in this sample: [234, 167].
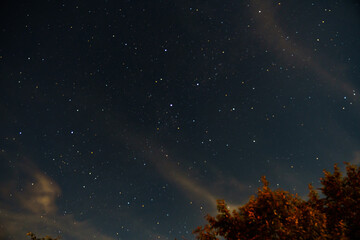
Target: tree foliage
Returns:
[280, 215]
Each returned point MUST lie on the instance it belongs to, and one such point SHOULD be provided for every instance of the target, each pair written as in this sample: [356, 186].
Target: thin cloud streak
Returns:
[194, 190]
[166, 166]
[290, 51]
[171, 172]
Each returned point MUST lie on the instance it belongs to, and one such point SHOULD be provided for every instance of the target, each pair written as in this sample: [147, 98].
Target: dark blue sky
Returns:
[128, 119]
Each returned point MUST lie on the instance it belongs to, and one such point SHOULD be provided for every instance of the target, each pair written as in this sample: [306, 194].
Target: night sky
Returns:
[128, 119]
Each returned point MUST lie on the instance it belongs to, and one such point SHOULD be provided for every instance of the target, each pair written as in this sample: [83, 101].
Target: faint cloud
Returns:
[16, 225]
[270, 32]
[171, 169]
[40, 195]
[173, 173]
[196, 190]
[30, 205]
[356, 159]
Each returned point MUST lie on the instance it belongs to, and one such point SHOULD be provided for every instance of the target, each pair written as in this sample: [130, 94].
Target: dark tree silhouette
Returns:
[281, 215]
[342, 201]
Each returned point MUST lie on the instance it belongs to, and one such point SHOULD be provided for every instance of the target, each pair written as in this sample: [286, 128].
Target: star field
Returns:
[128, 119]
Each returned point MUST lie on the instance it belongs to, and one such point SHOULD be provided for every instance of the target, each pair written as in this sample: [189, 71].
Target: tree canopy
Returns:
[277, 214]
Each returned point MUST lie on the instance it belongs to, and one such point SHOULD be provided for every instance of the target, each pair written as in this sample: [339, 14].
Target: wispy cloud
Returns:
[356, 159]
[32, 207]
[171, 166]
[40, 195]
[270, 32]
[173, 173]
[204, 193]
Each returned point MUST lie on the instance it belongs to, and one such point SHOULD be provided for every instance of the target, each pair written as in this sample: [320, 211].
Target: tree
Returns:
[342, 201]
[281, 215]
